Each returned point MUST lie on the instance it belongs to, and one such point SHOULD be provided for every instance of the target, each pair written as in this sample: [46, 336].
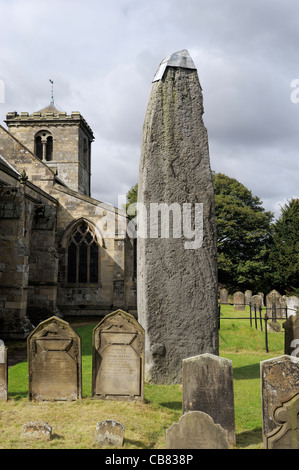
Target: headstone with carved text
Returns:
[54, 362]
[118, 358]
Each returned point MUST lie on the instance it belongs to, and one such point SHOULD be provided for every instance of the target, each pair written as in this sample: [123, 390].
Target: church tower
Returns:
[60, 140]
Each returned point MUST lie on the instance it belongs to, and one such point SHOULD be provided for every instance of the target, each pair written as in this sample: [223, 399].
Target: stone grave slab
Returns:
[196, 430]
[3, 372]
[54, 362]
[279, 383]
[239, 301]
[109, 433]
[118, 358]
[207, 385]
[291, 335]
[286, 434]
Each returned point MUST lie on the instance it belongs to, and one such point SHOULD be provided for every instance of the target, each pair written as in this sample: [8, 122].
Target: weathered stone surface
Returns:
[109, 433]
[3, 372]
[118, 358]
[292, 304]
[256, 301]
[247, 295]
[286, 417]
[207, 385]
[275, 305]
[54, 361]
[291, 335]
[196, 430]
[176, 271]
[37, 430]
[223, 296]
[279, 383]
[239, 301]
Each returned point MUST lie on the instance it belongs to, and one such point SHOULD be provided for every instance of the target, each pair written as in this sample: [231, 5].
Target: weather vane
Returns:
[52, 95]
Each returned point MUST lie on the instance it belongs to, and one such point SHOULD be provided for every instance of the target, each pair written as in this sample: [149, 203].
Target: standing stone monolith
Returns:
[176, 236]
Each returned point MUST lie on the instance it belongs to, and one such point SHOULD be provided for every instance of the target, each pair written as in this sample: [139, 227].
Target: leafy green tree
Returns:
[243, 235]
[284, 254]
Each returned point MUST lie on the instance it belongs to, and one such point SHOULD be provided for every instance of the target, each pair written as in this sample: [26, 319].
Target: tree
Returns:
[284, 254]
[243, 235]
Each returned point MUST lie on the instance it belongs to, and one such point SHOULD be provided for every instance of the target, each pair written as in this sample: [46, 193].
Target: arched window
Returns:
[82, 255]
[43, 147]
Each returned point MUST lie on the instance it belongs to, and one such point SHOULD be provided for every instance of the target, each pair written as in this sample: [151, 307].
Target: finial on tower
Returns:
[52, 94]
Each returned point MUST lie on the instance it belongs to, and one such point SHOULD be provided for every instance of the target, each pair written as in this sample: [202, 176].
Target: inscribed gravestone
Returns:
[279, 382]
[3, 371]
[196, 430]
[286, 434]
[118, 358]
[207, 384]
[176, 268]
[54, 361]
[223, 296]
[239, 301]
[291, 335]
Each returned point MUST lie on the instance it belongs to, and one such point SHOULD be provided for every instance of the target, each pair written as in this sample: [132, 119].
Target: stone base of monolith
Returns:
[176, 245]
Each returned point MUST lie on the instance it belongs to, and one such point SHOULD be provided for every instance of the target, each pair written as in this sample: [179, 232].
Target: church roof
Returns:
[49, 109]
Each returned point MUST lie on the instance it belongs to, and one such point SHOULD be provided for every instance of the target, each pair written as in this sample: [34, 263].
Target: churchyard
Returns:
[74, 422]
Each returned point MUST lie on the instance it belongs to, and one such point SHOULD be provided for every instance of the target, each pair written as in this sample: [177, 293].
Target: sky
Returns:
[102, 57]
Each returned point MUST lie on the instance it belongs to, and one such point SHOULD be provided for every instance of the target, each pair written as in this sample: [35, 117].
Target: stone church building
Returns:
[61, 251]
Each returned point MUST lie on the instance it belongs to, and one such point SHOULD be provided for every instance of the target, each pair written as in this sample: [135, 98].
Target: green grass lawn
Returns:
[74, 423]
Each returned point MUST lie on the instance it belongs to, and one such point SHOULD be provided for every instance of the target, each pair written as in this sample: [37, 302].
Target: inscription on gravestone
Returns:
[3, 371]
[118, 358]
[54, 361]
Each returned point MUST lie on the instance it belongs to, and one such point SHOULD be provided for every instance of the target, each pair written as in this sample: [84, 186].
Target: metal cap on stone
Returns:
[177, 59]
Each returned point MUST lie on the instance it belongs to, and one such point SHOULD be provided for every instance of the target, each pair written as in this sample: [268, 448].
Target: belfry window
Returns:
[82, 255]
[44, 146]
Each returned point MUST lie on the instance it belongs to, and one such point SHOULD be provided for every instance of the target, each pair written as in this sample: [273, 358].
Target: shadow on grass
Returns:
[249, 438]
[251, 371]
[172, 405]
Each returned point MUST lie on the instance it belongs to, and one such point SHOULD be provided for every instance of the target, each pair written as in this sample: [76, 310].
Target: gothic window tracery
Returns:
[82, 255]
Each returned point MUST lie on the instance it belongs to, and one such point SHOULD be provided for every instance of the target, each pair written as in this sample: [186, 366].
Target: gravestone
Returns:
[54, 361]
[279, 382]
[207, 385]
[3, 372]
[37, 430]
[177, 291]
[274, 305]
[109, 433]
[247, 296]
[196, 430]
[256, 301]
[239, 301]
[223, 296]
[261, 294]
[292, 304]
[291, 335]
[286, 434]
[118, 358]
